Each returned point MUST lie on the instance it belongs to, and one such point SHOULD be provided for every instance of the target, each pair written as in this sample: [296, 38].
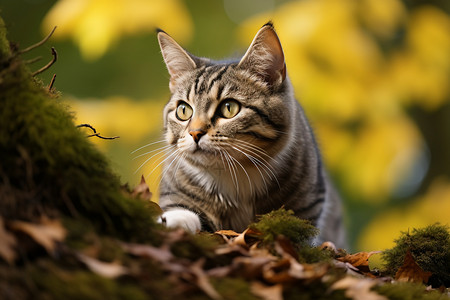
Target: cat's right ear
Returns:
[177, 60]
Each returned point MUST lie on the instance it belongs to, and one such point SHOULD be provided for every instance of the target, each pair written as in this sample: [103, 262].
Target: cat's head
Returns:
[222, 109]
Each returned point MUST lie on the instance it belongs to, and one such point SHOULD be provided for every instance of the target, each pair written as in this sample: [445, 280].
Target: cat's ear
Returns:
[177, 60]
[265, 58]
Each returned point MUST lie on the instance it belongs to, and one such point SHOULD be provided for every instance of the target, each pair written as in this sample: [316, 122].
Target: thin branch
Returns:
[88, 126]
[55, 57]
[33, 60]
[103, 137]
[39, 43]
[97, 134]
[51, 83]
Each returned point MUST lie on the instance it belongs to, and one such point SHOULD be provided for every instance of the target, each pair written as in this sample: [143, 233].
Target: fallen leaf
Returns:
[357, 288]
[46, 234]
[227, 232]
[278, 271]
[161, 254]
[285, 247]
[142, 190]
[250, 267]
[274, 292]
[109, 270]
[8, 242]
[202, 280]
[245, 238]
[410, 271]
[328, 246]
[359, 260]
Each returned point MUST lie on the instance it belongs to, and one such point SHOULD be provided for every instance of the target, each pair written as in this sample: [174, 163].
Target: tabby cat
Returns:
[240, 144]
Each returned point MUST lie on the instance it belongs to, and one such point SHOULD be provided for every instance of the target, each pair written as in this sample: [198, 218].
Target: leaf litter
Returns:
[264, 257]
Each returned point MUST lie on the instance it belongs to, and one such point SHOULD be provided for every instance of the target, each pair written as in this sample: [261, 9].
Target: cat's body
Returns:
[242, 145]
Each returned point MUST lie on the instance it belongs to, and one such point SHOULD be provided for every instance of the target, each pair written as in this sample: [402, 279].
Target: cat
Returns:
[240, 144]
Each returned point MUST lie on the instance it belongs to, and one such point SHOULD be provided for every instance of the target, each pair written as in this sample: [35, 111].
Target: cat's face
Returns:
[226, 111]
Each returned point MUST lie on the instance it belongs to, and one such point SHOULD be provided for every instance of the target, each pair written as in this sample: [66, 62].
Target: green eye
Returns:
[184, 111]
[230, 108]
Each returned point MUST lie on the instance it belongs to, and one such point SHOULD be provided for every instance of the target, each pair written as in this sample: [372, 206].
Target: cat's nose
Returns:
[197, 134]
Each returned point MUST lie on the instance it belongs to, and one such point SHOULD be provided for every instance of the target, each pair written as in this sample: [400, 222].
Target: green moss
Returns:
[408, 291]
[56, 283]
[313, 291]
[195, 246]
[233, 288]
[310, 255]
[50, 167]
[430, 247]
[283, 222]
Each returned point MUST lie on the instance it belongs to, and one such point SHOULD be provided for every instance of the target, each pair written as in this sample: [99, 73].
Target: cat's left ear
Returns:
[178, 60]
[265, 58]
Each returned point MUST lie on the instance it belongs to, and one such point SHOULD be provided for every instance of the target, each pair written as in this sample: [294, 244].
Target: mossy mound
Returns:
[430, 248]
[283, 222]
[49, 167]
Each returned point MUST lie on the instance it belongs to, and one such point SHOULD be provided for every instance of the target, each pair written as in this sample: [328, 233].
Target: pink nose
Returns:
[197, 134]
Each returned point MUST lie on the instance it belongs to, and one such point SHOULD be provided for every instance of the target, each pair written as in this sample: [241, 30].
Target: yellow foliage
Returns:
[421, 72]
[118, 116]
[95, 25]
[354, 91]
[427, 209]
[382, 17]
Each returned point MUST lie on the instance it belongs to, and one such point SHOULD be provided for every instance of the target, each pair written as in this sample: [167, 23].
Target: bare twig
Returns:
[55, 57]
[39, 43]
[97, 134]
[51, 83]
[33, 60]
[104, 137]
[88, 126]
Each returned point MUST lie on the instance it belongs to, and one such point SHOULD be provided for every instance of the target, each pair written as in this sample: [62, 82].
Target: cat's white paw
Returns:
[181, 218]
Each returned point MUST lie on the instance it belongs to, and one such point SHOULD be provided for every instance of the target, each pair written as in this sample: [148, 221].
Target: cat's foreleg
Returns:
[181, 217]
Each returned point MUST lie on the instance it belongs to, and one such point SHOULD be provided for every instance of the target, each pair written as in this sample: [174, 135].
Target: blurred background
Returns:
[372, 75]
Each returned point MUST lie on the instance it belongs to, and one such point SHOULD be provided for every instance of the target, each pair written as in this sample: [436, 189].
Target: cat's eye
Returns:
[184, 111]
[229, 108]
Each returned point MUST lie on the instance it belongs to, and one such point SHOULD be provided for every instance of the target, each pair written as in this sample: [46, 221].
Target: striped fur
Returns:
[261, 159]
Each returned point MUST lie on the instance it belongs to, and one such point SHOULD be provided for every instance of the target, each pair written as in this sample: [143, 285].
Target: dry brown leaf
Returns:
[278, 271]
[285, 247]
[142, 190]
[244, 238]
[250, 267]
[359, 260]
[358, 288]
[7, 244]
[328, 246]
[274, 292]
[202, 280]
[46, 234]
[109, 270]
[410, 271]
[227, 233]
[161, 254]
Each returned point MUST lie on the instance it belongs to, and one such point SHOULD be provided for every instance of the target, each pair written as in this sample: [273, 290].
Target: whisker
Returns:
[148, 159]
[172, 154]
[156, 142]
[143, 154]
[255, 151]
[232, 168]
[255, 163]
[176, 158]
[254, 147]
[243, 169]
